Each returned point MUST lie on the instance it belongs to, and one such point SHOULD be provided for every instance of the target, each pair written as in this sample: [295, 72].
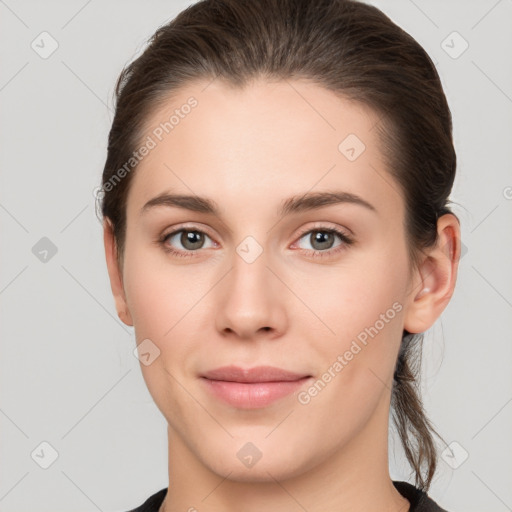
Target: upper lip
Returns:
[256, 374]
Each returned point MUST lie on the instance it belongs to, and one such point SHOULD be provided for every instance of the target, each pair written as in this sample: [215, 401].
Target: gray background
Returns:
[68, 374]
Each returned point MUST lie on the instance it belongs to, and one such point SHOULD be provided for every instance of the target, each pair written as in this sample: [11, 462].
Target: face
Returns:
[277, 274]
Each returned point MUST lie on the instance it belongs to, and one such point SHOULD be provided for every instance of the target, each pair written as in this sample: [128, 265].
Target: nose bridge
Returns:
[250, 250]
[249, 268]
[251, 299]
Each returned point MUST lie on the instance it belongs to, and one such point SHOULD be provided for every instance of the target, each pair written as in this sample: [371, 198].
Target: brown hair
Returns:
[348, 47]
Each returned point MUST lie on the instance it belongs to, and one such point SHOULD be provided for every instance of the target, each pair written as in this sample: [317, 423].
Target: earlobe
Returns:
[116, 282]
[436, 278]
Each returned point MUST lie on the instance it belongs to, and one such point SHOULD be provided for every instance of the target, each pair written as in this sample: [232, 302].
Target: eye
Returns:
[191, 240]
[322, 240]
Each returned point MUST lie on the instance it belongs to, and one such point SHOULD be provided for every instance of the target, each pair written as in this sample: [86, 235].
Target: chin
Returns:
[245, 462]
[261, 473]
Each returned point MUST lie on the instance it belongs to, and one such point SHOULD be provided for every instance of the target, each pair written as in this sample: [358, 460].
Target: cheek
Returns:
[362, 320]
[158, 300]
[159, 294]
[358, 361]
[167, 303]
[350, 299]
[162, 306]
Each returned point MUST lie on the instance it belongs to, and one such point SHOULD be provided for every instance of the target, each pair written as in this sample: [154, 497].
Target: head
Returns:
[248, 104]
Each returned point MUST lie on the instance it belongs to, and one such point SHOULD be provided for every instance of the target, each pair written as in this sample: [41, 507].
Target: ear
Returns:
[115, 274]
[434, 282]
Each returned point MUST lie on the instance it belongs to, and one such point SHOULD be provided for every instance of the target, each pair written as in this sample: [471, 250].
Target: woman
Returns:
[277, 232]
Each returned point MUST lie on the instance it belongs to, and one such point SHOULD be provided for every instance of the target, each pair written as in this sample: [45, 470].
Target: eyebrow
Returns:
[295, 204]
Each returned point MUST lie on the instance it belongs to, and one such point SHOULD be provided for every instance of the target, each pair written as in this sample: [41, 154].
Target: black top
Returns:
[419, 500]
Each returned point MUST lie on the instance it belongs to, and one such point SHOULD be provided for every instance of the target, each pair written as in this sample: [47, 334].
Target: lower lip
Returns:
[252, 395]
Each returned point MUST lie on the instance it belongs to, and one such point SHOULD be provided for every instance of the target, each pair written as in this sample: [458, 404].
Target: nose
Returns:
[252, 299]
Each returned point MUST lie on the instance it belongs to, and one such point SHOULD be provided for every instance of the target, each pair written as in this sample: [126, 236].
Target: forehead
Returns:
[262, 143]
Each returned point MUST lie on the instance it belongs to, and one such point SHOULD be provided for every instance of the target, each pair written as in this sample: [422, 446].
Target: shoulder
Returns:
[420, 501]
[153, 503]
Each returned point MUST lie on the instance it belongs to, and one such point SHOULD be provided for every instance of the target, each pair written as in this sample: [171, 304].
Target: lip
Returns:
[252, 388]
[257, 374]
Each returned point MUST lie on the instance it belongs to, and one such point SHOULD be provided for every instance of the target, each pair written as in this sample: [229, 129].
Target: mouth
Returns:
[252, 388]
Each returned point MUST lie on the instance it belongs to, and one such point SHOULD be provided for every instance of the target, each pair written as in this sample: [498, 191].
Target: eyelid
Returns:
[317, 225]
[188, 227]
[324, 225]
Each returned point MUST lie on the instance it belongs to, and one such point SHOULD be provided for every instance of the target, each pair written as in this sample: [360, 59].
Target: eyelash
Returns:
[346, 242]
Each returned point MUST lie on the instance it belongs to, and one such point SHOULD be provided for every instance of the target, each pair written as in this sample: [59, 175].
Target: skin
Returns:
[249, 150]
